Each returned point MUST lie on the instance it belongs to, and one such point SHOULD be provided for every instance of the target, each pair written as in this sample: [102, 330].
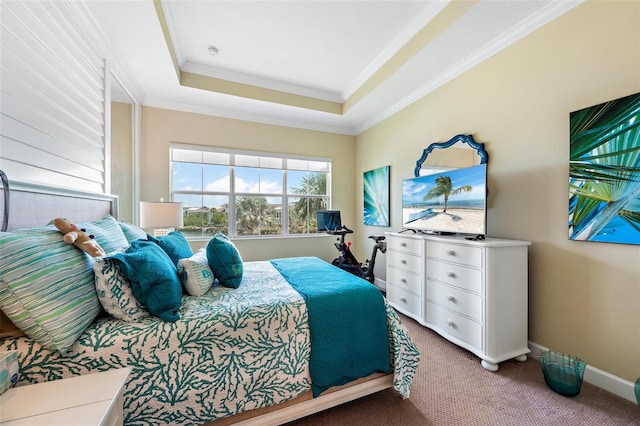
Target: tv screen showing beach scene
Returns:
[450, 202]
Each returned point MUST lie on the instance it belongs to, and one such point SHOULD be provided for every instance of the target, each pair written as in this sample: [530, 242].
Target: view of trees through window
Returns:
[247, 194]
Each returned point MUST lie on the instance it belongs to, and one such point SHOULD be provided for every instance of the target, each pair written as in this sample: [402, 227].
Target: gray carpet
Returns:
[451, 388]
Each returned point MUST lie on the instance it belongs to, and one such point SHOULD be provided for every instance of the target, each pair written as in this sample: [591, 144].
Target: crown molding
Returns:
[294, 117]
[253, 80]
[384, 57]
[544, 16]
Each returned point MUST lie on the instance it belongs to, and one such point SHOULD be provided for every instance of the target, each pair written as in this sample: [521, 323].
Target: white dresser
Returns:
[474, 293]
[91, 399]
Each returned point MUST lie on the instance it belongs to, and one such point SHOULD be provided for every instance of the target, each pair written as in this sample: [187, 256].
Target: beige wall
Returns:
[161, 127]
[584, 297]
[122, 158]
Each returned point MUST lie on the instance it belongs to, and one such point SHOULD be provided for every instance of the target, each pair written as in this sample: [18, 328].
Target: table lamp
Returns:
[161, 216]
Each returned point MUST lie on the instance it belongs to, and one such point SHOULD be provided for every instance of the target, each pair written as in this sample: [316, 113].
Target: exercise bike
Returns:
[347, 260]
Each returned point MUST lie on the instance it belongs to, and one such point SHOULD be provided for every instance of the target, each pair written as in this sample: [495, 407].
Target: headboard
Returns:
[35, 205]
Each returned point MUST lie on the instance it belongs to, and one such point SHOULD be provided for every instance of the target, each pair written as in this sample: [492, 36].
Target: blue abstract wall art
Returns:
[376, 197]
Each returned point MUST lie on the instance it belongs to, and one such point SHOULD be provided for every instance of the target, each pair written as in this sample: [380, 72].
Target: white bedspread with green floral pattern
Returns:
[232, 350]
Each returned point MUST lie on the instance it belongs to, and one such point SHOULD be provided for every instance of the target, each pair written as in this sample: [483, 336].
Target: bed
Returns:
[235, 356]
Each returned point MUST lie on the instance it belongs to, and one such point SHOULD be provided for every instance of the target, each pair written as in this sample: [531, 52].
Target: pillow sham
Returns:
[175, 245]
[225, 261]
[132, 232]
[107, 233]
[153, 278]
[115, 293]
[195, 273]
[46, 286]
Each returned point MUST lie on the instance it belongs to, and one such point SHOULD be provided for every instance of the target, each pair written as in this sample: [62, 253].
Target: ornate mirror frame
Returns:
[467, 139]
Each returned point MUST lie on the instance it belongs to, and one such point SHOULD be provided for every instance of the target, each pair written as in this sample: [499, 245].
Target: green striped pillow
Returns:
[132, 232]
[46, 286]
[107, 233]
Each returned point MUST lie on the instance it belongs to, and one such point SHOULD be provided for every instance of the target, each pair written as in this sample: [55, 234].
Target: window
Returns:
[248, 194]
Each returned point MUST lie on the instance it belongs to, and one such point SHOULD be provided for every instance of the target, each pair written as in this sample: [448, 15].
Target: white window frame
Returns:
[232, 194]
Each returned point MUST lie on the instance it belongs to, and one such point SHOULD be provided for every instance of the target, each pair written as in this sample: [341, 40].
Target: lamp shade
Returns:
[160, 214]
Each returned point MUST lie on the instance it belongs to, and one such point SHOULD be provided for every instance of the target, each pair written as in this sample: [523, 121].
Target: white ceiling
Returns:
[319, 49]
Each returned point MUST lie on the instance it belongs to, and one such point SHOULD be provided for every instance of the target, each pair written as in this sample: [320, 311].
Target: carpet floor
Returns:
[451, 388]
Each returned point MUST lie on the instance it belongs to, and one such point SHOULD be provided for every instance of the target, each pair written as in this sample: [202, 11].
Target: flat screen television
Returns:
[449, 202]
[328, 220]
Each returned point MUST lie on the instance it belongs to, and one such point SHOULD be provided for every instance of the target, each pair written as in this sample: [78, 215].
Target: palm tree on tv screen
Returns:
[444, 187]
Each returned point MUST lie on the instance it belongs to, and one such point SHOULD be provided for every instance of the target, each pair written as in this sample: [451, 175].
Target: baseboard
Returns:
[614, 384]
[381, 284]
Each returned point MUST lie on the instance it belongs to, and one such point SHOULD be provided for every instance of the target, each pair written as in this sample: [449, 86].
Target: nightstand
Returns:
[91, 399]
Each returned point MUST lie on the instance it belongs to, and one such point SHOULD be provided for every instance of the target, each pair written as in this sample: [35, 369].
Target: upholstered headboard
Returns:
[33, 205]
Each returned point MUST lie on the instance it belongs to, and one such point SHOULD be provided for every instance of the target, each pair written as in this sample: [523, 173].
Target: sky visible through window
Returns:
[255, 198]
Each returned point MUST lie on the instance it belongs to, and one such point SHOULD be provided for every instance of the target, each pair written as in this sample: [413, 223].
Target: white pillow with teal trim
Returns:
[46, 286]
[195, 273]
[115, 292]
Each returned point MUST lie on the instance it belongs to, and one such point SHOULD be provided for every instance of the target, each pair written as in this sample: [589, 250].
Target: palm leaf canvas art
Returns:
[604, 172]
[376, 197]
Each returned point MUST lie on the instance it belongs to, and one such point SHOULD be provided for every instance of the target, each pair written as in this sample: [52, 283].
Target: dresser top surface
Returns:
[461, 239]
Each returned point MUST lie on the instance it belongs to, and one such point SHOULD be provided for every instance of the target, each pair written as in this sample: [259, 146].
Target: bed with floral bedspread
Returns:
[232, 350]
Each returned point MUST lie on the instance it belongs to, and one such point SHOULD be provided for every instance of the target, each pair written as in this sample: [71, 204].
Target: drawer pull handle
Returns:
[403, 300]
[451, 324]
[403, 244]
[404, 262]
[403, 281]
[451, 299]
[451, 274]
[451, 253]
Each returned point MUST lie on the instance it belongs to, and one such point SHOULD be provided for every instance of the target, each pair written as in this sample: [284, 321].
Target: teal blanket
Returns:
[347, 321]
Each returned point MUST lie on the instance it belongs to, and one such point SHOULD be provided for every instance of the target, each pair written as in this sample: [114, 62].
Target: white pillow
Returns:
[115, 293]
[195, 273]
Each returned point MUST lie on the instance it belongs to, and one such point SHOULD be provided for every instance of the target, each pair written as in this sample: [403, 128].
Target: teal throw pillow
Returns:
[153, 277]
[175, 245]
[225, 261]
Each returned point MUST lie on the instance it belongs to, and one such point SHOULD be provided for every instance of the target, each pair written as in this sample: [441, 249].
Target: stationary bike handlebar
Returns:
[341, 231]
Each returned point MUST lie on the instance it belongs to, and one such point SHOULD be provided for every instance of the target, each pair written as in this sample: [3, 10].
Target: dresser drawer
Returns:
[456, 275]
[464, 255]
[462, 302]
[405, 280]
[407, 262]
[455, 325]
[405, 245]
[405, 301]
